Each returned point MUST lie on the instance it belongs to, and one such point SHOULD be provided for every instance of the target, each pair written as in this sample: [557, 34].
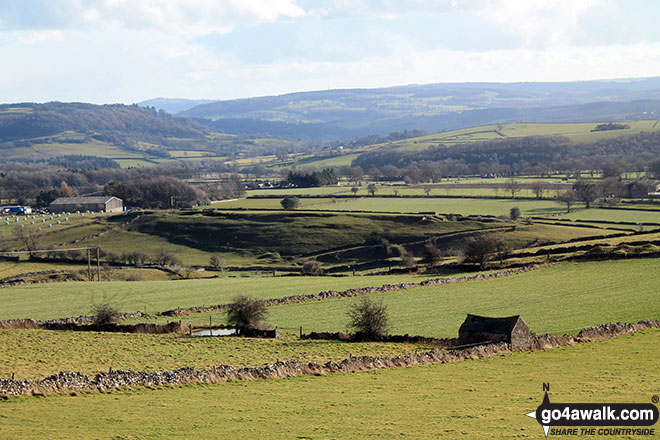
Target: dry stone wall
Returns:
[359, 291]
[71, 382]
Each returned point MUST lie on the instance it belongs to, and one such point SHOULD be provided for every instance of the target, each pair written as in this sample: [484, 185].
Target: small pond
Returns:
[216, 332]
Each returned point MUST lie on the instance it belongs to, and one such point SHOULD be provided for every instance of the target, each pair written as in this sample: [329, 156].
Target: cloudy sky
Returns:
[107, 51]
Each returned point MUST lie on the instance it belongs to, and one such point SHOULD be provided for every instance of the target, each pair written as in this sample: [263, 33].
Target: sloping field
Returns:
[59, 300]
[558, 299]
[476, 399]
[578, 132]
[35, 354]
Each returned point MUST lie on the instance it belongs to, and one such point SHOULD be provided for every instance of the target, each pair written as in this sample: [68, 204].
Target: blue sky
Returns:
[107, 51]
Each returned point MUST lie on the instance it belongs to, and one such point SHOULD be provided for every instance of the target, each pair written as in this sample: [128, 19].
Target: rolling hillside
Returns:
[348, 113]
[130, 135]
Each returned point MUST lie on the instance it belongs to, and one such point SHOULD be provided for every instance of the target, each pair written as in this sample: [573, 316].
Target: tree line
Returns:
[534, 155]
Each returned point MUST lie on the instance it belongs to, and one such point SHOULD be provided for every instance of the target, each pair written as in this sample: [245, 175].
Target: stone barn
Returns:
[96, 204]
[511, 329]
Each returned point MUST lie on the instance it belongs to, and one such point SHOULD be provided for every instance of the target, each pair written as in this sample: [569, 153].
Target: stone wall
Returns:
[358, 291]
[71, 382]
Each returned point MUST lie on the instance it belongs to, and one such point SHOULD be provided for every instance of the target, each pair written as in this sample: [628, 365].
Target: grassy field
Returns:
[558, 299]
[10, 268]
[57, 300]
[447, 206]
[615, 215]
[410, 205]
[34, 354]
[475, 399]
[577, 132]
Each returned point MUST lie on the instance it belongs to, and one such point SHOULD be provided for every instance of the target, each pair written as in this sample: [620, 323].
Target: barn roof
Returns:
[485, 324]
[81, 200]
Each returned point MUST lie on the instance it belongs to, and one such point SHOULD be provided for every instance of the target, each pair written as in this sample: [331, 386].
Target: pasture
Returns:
[58, 300]
[562, 298]
[484, 399]
[35, 354]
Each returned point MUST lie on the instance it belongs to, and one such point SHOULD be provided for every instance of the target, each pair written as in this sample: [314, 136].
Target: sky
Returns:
[126, 51]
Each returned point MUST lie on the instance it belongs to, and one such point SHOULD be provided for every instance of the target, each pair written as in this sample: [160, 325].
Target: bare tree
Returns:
[368, 318]
[538, 188]
[246, 312]
[586, 191]
[512, 186]
[567, 198]
[371, 188]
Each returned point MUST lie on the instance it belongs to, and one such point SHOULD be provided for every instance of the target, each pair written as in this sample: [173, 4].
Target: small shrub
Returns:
[290, 202]
[246, 312]
[312, 267]
[368, 318]
[514, 213]
[216, 262]
[105, 314]
[432, 254]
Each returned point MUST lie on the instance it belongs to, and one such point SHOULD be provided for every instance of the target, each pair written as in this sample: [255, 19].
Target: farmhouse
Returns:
[511, 329]
[96, 204]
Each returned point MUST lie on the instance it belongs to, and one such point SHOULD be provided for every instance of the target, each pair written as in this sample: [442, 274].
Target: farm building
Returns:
[96, 204]
[511, 329]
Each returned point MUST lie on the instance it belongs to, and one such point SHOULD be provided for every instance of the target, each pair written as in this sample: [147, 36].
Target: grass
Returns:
[447, 206]
[615, 215]
[558, 299]
[577, 132]
[34, 354]
[10, 268]
[476, 399]
[410, 205]
[58, 300]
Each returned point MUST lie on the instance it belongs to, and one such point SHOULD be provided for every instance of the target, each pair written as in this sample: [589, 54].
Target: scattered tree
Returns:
[431, 254]
[312, 267]
[586, 191]
[290, 202]
[514, 213]
[567, 198]
[538, 188]
[215, 262]
[371, 188]
[408, 259]
[246, 312]
[355, 190]
[480, 248]
[105, 314]
[368, 318]
[512, 186]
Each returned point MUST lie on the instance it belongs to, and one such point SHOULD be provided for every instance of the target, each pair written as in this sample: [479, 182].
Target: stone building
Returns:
[510, 329]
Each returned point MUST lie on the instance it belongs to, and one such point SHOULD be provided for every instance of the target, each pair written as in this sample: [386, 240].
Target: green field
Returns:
[58, 300]
[558, 299]
[410, 205]
[447, 206]
[615, 215]
[475, 399]
[577, 132]
[34, 354]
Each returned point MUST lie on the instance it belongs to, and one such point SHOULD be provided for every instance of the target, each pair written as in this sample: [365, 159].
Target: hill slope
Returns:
[132, 134]
[433, 107]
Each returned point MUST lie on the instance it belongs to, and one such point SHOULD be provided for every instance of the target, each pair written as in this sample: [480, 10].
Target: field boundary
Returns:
[74, 382]
[329, 294]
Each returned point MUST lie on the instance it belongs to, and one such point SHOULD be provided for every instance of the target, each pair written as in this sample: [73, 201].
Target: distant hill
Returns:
[173, 105]
[26, 120]
[347, 113]
[129, 134]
